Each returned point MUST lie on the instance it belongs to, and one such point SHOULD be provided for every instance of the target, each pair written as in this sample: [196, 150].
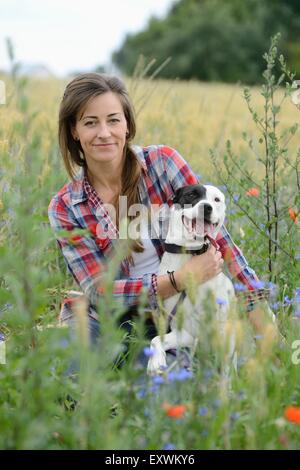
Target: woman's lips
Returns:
[103, 145]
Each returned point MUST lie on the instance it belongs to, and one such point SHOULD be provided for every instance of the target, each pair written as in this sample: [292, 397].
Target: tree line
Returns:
[215, 40]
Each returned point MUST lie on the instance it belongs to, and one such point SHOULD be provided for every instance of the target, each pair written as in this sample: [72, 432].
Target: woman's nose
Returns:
[103, 131]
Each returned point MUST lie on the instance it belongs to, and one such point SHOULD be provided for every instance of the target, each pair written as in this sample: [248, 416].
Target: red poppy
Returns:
[293, 215]
[174, 411]
[253, 192]
[292, 414]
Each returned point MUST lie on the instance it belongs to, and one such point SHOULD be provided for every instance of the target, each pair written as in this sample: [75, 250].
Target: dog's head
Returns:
[198, 213]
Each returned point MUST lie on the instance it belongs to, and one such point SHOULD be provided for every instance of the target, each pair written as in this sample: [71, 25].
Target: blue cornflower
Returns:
[287, 300]
[158, 380]
[235, 415]
[297, 256]
[236, 197]
[184, 374]
[275, 306]
[154, 389]
[148, 351]
[258, 284]
[220, 301]
[203, 410]
[180, 375]
[169, 446]
[239, 287]
[141, 393]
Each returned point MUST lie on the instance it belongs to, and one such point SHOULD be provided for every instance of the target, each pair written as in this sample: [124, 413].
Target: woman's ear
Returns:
[74, 134]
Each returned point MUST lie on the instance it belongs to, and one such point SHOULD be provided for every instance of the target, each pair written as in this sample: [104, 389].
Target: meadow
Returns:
[122, 408]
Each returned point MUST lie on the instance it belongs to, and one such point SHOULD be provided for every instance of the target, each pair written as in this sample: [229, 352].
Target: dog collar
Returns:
[173, 248]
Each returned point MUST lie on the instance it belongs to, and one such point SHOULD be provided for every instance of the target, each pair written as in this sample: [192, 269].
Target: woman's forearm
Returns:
[164, 286]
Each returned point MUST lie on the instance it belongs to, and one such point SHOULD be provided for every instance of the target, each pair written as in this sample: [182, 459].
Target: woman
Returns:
[96, 128]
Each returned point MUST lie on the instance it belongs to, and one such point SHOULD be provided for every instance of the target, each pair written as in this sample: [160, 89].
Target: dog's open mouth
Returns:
[200, 230]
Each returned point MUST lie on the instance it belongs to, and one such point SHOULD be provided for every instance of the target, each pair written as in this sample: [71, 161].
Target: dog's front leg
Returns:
[172, 340]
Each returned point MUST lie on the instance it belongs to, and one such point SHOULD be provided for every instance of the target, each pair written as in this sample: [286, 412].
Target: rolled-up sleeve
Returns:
[235, 260]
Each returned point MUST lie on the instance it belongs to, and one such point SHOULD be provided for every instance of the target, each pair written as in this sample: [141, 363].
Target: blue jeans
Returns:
[94, 330]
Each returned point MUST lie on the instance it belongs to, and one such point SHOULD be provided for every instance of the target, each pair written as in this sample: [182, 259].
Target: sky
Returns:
[71, 35]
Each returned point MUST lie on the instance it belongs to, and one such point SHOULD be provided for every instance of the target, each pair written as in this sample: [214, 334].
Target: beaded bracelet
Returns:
[172, 280]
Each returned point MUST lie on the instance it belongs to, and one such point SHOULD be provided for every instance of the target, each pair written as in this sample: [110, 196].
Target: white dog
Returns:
[195, 219]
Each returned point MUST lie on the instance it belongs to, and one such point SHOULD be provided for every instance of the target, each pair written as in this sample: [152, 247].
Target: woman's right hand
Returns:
[200, 267]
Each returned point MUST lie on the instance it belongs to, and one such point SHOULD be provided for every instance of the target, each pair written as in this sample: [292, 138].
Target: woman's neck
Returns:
[105, 178]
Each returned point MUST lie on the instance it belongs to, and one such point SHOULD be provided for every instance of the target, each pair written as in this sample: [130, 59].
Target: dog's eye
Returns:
[217, 199]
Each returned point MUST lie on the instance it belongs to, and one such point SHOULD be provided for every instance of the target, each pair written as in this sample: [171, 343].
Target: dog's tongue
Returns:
[208, 232]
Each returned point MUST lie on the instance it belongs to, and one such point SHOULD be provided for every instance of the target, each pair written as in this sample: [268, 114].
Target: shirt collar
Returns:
[78, 193]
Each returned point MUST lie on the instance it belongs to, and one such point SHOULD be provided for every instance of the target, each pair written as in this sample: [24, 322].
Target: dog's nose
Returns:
[207, 209]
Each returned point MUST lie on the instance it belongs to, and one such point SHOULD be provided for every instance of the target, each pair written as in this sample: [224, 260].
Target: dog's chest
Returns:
[220, 286]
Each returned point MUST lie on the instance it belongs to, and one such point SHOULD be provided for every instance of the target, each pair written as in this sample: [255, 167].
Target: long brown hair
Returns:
[78, 92]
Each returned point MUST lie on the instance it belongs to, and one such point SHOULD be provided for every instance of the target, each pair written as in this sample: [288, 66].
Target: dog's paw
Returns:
[157, 363]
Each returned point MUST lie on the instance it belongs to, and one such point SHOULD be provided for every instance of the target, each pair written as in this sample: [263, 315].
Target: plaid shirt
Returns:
[78, 206]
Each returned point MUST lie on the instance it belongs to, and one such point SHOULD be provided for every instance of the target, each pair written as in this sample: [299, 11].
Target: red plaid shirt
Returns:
[78, 206]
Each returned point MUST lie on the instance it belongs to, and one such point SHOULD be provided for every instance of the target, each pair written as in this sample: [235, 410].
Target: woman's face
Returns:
[101, 129]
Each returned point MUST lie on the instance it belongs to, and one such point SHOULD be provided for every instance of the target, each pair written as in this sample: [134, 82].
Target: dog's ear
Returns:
[177, 195]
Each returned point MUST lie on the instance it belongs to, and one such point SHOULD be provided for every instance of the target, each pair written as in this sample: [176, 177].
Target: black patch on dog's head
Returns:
[189, 194]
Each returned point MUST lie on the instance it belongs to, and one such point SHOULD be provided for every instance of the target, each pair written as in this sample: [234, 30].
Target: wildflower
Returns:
[180, 375]
[292, 414]
[148, 351]
[141, 393]
[174, 411]
[220, 301]
[204, 433]
[253, 192]
[158, 380]
[275, 306]
[234, 415]
[297, 257]
[293, 215]
[203, 410]
[258, 284]
[169, 446]
[154, 389]
[287, 300]
[239, 287]
[236, 197]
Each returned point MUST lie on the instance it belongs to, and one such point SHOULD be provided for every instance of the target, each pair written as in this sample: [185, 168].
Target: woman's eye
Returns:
[114, 120]
[89, 123]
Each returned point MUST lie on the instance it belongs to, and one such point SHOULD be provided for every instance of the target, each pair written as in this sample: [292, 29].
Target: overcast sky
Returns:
[69, 35]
